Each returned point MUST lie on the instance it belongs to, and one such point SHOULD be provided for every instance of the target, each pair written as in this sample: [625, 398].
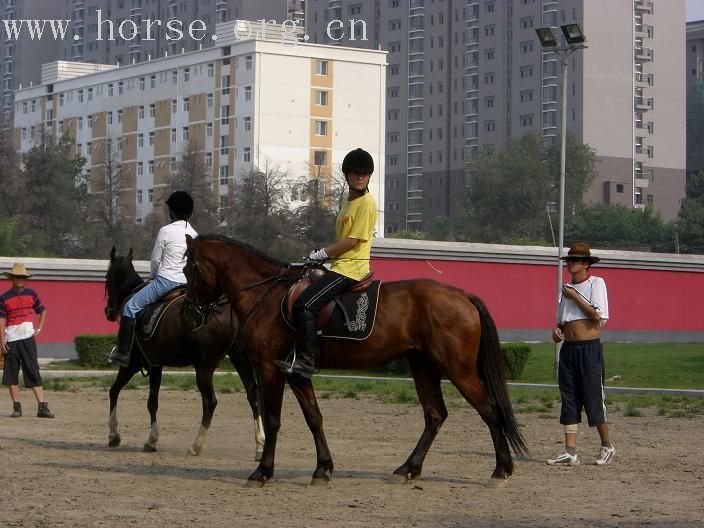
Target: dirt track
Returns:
[60, 473]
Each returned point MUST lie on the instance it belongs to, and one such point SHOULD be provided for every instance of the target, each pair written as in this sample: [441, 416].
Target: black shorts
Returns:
[581, 379]
[22, 353]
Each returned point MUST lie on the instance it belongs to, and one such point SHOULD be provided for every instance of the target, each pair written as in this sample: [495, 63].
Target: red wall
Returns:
[523, 296]
[519, 296]
[73, 308]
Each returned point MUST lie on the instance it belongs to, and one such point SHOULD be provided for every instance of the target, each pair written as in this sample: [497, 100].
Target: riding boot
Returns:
[303, 363]
[120, 355]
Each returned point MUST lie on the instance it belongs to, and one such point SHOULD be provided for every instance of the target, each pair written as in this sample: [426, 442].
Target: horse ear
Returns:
[129, 255]
[112, 253]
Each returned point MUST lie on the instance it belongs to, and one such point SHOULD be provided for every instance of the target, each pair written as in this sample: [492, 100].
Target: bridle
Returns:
[204, 309]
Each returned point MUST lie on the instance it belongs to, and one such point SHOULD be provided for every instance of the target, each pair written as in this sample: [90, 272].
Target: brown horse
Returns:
[177, 343]
[439, 329]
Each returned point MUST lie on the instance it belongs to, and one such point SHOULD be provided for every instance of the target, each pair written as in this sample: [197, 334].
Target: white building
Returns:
[245, 103]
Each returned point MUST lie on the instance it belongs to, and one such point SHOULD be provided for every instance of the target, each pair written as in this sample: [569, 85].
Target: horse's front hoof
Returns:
[254, 484]
[498, 483]
[148, 448]
[114, 441]
[320, 481]
[399, 478]
[194, 451]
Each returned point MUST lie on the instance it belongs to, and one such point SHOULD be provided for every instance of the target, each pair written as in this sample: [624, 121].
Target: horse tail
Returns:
[493, 374]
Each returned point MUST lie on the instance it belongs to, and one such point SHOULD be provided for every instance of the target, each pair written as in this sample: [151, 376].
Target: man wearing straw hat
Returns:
[583, 310]
[17, 308]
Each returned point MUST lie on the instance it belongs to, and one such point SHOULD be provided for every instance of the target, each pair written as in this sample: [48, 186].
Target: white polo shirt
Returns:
[593, 290]
[168, 255]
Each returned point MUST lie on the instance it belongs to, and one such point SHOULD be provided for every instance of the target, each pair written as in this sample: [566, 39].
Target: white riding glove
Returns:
[318, 256]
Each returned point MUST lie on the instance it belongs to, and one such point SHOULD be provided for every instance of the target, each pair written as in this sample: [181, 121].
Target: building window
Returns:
[489, 7]
[211, 70]
[619, 188]
[526, 96]
[247, 124]
[321, 128]
[223, 174]
[142, 84]
[152, 110]
[110, 90]
[527, 120]
[211, 99]
[151, 139]
[527, 71]
[489, 78]
[150, 166]
[186, 104]
[489, 30]
[248, 62]
[247, 93]
[174, 106]
[490, 125]
[321, 97]
[527, 22]
[140, 140]
[209, 130]
[139, 196]
[150, 194]
[184, 134]
[321, 67]
[247, 155]
[186, 74]
[320, 157]
[140, 168]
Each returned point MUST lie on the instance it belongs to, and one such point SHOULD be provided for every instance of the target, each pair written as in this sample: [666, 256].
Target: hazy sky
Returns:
[695, 10]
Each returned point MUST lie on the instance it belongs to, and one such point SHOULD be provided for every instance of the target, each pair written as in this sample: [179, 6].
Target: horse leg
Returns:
[272, 393]
[475, 393]
[204, 380]
[153, 406]
[427, 379]
[303, 389]
[124, 375]
[244, 369]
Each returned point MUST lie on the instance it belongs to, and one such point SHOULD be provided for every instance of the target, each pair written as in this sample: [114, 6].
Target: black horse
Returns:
[176, 343]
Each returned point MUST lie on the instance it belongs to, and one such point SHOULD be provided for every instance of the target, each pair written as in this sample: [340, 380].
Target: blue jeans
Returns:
[152, 292]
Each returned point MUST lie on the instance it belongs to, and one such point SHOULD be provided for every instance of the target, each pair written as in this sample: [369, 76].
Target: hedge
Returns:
[515, 359]
[92, 349]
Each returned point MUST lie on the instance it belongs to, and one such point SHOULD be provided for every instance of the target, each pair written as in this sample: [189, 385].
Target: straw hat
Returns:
[581, 250]
[18, 270]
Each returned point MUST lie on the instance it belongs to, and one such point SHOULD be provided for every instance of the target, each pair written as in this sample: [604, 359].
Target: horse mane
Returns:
[242, 245]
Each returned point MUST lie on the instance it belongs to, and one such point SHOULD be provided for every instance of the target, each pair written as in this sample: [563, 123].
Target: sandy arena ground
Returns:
[60, 473]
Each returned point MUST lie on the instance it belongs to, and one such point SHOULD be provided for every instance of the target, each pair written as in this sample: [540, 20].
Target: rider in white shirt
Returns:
[167, 262]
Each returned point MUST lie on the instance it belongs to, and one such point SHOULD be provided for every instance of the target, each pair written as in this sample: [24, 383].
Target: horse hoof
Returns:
[498, 483]
[254, 484]
[398, 478]
[149, 448]
[114, 441]
[319, 481]
[193, 451]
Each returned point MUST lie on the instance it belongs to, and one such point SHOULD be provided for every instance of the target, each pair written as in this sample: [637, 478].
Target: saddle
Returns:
[349, 315]
[151, 316]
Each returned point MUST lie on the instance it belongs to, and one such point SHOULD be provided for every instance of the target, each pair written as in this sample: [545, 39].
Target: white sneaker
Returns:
[564, 459]
[606, 455]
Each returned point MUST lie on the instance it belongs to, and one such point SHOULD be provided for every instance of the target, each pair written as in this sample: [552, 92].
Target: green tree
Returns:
[510, 190]
[55, 197]
[690, 224]
[619, 227]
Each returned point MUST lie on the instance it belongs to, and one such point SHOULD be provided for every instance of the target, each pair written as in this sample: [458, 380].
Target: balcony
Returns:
[644, 6]
[644, 54]
[640, 182]
[644, 103]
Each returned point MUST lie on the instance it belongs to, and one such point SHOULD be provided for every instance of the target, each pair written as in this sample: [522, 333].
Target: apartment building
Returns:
[245, 103]
[95, 20]
[96, 28]
[20, 57]
[468, 75]
[695, 96]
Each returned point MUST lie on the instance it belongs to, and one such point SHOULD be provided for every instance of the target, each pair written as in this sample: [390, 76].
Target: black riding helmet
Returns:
[181, 203]
[358, 160]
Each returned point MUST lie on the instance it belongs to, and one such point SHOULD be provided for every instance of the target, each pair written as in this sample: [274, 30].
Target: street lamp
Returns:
[574, 40]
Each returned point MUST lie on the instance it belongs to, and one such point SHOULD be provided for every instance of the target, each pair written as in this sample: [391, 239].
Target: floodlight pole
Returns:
[573, 43]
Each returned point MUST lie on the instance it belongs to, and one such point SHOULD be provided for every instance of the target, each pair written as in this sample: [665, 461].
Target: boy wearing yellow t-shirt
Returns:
[354, 230]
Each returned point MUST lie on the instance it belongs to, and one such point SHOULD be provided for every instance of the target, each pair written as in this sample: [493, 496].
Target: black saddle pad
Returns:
[354, 314]
[151, 316]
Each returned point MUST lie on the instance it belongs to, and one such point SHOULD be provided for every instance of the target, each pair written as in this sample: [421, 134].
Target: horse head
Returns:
[120, 276]
[201, 275]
